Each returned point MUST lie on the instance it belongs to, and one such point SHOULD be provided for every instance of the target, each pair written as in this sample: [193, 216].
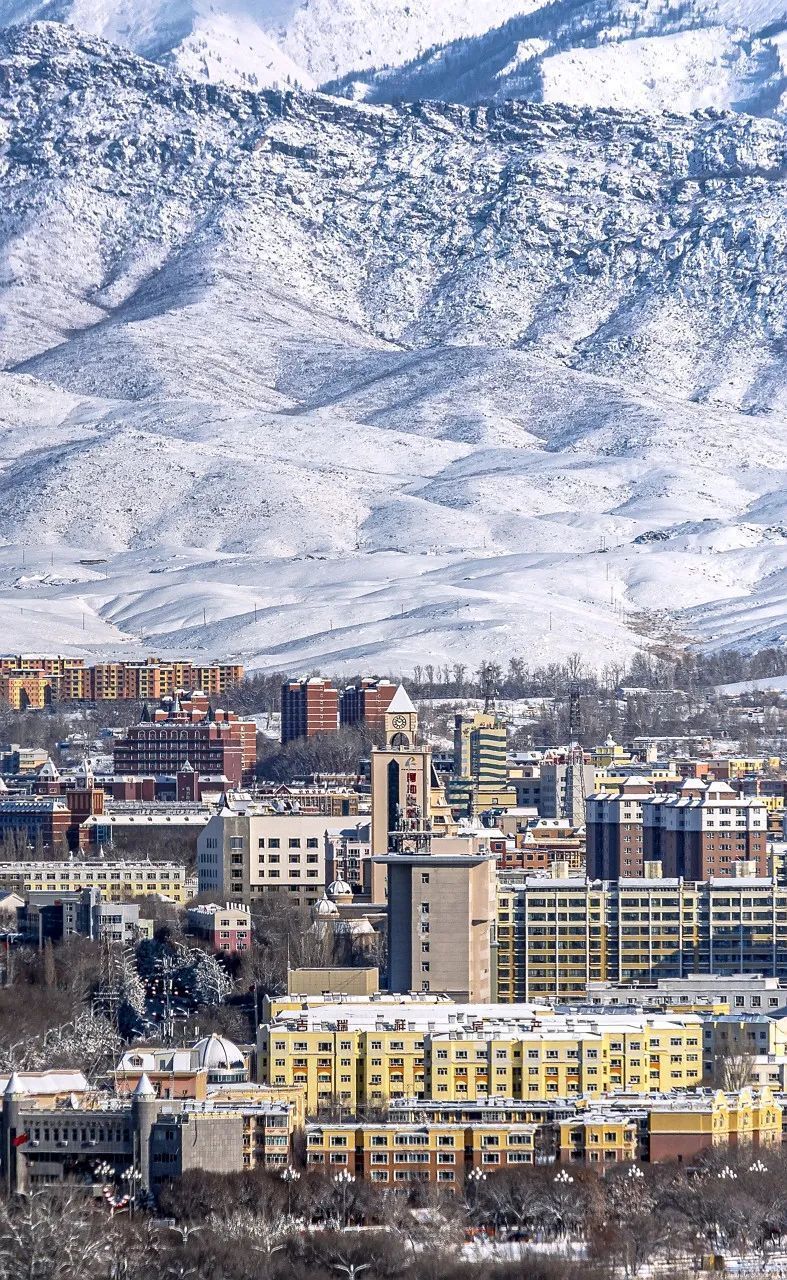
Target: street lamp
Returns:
[563, 1179]
[474, 1179]
[726, 1174]
[758, 1167]
[288, 1176]
[635, 1172]
[132, 1176]
[344, 1181]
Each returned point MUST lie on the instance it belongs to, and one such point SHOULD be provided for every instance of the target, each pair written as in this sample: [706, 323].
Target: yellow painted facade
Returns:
[556, 936]
[117, 881]
[362, 1068]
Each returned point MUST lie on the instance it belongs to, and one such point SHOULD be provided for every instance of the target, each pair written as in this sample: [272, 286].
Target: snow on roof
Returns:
[34, 1082]
[401, 703]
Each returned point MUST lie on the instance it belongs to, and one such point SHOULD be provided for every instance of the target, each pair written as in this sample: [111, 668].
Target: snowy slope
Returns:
[272, 42]
[638, 54]
[329, 384]
[648, 54]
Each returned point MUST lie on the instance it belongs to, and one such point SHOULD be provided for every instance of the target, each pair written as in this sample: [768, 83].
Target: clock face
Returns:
[399, 722]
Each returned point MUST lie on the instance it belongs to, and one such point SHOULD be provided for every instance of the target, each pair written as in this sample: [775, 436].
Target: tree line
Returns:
[549, 1223]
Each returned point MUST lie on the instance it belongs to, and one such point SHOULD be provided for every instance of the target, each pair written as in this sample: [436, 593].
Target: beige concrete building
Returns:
[441, 924]
[246, 850]
[333, 981]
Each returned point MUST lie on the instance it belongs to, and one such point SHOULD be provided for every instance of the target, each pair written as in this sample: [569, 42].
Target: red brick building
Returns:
[183, 737]
[308, 707]
[701, 830]
[364, 704]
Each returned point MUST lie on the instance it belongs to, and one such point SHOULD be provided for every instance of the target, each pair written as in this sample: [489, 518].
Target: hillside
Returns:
[273, 43]
[647, 55]
[641, 55]
[324, 383]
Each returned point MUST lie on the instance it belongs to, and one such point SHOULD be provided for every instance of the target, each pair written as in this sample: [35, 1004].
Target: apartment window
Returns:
[312, 843]
[274, 843]
[294, 842]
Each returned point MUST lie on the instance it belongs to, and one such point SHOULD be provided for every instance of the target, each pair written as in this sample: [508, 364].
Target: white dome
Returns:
[219, 1054]
[325, 907]
[340, 889]
[357, 928]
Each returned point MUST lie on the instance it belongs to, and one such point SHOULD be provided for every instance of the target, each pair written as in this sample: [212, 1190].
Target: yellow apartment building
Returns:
[431, 1152]
[555, 937]
[337, 1061]
[117, 881]
[446, 1148]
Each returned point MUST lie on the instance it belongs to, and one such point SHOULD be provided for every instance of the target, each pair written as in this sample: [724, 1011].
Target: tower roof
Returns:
[15, 1086]
[144, 1087]
[401, 703]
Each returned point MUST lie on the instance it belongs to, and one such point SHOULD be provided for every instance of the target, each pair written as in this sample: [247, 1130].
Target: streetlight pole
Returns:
[344, 1181]
[289, 1176]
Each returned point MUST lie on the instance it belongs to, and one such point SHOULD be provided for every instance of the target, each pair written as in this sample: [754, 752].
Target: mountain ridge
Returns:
[358, 379]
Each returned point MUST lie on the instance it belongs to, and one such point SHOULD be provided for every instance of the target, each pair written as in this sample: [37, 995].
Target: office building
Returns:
[564, 785]
[441, 923]
[246, 850]
[308, 707]
[53, 916]
[479, 778]
[189, 739]
[738, 992]
[159, 1138]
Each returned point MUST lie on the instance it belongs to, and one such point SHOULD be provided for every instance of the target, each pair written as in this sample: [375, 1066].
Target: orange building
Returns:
[35, 681]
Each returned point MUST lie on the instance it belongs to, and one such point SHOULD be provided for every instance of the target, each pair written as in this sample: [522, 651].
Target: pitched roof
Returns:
[401, 702]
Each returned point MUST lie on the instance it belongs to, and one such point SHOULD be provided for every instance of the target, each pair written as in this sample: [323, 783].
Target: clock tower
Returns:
[401, 722]
[408, 801]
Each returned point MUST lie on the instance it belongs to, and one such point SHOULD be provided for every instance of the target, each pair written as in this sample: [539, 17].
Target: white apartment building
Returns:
[245, 850]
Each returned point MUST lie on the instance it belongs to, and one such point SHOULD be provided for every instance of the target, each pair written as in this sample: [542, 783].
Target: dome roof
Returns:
[357, 928]
[340, 889]
[325, 907]
[218, 1053]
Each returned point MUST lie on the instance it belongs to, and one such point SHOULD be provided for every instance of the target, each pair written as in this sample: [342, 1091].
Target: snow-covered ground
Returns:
[315, 383]
[769, 684]
[273, 42]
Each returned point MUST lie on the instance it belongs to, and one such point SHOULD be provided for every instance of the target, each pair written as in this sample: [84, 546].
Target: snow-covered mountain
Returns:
[272, 42]
[640, 55]
[683, 55]
[315, 382]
